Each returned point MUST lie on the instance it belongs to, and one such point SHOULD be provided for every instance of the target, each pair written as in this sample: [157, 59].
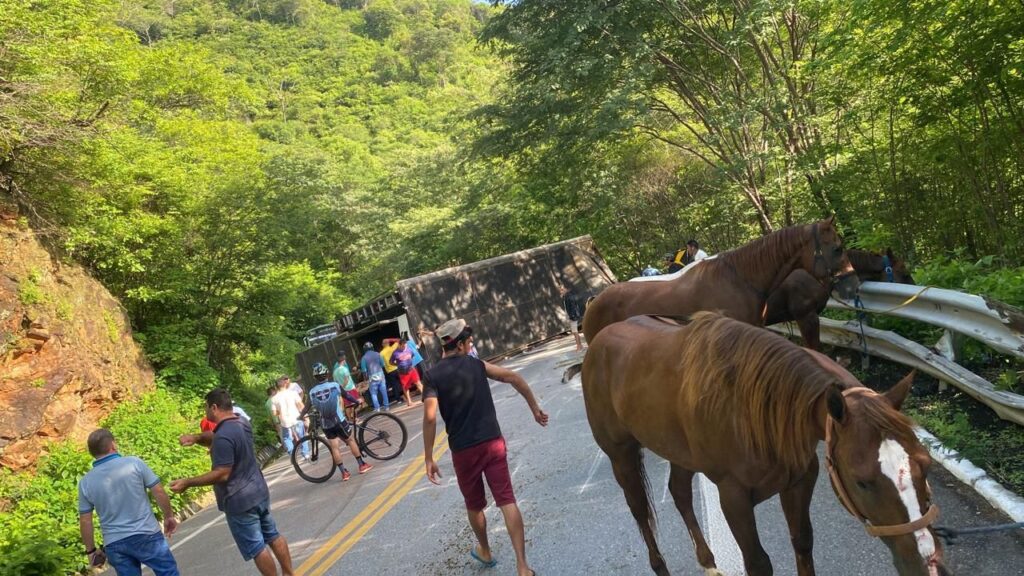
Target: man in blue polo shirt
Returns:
[115, 489]
[238, 483]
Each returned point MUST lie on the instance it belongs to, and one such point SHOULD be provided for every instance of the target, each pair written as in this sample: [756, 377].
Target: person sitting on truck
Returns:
[693, 252]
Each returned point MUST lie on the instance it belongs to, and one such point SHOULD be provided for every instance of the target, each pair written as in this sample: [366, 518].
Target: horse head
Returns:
[872, 267]
[899, 272]
[879, 472]
[828, 261]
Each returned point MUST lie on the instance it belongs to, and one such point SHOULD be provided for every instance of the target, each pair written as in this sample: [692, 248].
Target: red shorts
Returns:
[351, 397]
[487, 459]
[409, 379]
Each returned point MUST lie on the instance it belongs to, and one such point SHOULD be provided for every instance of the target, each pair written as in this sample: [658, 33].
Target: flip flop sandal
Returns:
[487, 564]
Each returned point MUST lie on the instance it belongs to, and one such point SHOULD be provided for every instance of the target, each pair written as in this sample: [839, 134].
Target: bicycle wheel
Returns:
[319, 466]
[382, 436]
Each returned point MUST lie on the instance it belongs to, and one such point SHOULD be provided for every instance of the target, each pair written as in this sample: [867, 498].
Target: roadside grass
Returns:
[960, 423]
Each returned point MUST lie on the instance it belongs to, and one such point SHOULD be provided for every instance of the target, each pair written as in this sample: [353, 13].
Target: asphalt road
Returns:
[392, 521]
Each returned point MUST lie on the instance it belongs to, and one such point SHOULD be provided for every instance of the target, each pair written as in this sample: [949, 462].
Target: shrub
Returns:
[149, 428]
[39, 520]
[39, 532]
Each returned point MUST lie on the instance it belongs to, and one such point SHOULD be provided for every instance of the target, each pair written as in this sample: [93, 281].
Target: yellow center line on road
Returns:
[337, 545]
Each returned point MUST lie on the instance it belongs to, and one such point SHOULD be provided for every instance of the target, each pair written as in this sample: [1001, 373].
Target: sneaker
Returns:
[364, 468]
[345, 475]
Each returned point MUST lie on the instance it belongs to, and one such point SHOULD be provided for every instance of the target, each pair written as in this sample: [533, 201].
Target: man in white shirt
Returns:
[287, 407]
[693, 252]
[293, 386]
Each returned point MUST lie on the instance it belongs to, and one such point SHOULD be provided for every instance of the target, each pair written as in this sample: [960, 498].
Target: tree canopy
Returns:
[237, 172]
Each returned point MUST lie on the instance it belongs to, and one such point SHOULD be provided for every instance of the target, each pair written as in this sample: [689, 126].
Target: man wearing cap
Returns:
[458, 385]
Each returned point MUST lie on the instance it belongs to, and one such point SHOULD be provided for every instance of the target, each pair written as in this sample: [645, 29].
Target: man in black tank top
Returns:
[458, 385]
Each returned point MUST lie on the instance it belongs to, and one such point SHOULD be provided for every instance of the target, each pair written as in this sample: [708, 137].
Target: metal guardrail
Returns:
[892, 346]
[993, 323]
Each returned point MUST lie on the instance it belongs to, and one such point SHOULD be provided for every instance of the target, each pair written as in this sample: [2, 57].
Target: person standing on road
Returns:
[404, 358]
[115, 489]
[571, 307]
[274, 420]
[241, 491]
[287, 407]
[326, 397]
[349, 391]
[390, 370]
[458, 385]
[293, 386]
[372, 366]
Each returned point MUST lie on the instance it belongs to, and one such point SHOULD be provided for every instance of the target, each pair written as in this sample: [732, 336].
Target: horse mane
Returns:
[888, 420]
[769, 251]
[769, 385]
[864, 260]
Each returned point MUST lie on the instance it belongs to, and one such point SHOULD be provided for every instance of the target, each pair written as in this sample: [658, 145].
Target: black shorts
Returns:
[341, 430]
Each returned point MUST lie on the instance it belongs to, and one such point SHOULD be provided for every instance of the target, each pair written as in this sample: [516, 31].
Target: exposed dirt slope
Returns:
[67, 356]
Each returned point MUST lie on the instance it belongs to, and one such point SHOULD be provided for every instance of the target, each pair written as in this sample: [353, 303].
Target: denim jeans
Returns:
[253, 529]
[129, 554]
[378, 387]
[289, 441]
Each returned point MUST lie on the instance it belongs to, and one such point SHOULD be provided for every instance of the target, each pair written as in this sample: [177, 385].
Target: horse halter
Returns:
[844, 497]
[887, 268]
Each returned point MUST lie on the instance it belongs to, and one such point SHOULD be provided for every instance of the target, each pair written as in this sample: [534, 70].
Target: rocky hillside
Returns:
[67, 356]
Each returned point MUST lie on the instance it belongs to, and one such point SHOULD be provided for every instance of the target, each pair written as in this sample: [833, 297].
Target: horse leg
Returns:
[680, 483]
[738, 507]
[796, 505]
[810, 330]
[628, 466]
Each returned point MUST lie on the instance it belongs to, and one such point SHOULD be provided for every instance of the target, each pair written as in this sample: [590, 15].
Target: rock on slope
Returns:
[67, 356]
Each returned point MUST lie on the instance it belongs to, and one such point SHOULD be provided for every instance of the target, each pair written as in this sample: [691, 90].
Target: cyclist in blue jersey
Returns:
[326, 396]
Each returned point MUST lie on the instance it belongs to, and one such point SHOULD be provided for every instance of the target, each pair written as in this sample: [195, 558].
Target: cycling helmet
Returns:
[319, 369]
[368, 346]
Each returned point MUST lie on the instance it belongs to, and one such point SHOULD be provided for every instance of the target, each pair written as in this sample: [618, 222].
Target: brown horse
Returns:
[747, 408]
[736, 283]
[801, 297]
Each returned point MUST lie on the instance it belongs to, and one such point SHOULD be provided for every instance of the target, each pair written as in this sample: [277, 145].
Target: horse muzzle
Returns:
[846, 284]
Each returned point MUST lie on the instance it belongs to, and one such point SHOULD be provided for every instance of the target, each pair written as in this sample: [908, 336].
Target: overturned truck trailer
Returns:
[511, 301]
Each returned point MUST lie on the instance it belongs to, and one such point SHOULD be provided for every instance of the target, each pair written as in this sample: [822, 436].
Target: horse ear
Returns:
[836, 403]
[898, 393]
[831, 220]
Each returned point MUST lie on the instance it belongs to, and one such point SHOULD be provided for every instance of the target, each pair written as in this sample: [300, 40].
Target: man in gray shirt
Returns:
[115, 489]
[242, 492]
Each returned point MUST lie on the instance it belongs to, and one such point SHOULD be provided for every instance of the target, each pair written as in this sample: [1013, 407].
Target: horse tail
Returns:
[652, 514]
[571, 372]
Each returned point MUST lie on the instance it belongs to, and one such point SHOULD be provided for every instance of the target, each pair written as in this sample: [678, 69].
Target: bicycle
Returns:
[381, 436]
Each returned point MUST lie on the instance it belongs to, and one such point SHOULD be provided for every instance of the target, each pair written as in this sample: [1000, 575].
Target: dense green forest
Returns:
[238, 171]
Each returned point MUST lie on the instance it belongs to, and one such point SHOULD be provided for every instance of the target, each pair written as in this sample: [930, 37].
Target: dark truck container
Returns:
[511, 301]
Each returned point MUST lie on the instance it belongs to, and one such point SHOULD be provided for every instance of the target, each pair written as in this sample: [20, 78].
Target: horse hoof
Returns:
[713, 572]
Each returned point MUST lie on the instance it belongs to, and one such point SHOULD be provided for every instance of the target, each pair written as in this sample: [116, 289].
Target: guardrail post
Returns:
[950, 345]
